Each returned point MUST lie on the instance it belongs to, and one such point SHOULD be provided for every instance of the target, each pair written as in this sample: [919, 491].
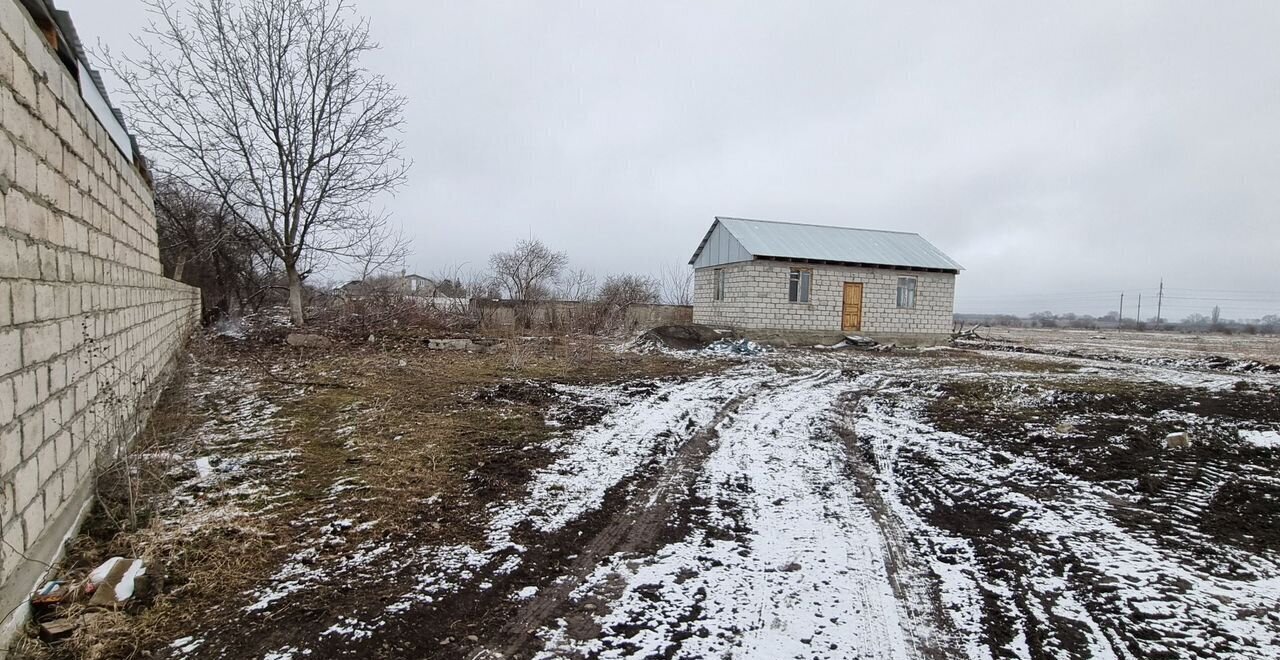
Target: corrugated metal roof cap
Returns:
[769, 238]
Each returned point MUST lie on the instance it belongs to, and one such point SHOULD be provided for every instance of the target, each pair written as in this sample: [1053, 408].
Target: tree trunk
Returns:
[295, 295]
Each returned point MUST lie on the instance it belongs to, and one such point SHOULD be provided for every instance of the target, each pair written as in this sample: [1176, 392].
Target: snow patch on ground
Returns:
[1158, 584]
[1264, 439]
[807, 580]
[597, 458]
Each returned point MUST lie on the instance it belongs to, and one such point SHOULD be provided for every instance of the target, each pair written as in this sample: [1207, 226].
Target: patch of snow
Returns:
[594, 459]
[184, 645]
[351, 628]
[809, 577]
[1264, 439]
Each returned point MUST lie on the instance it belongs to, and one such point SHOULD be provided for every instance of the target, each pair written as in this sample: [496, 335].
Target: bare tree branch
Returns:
[264, 105]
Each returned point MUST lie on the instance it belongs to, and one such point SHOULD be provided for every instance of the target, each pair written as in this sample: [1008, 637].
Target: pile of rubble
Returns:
[59, 607]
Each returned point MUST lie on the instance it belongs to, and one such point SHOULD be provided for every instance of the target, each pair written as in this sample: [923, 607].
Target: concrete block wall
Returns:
[88, 325]
[756, 297]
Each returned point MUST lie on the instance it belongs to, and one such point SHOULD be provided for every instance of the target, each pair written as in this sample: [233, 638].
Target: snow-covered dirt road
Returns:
[936, 505]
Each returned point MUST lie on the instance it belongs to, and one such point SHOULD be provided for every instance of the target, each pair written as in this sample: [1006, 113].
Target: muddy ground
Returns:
[1002, 500]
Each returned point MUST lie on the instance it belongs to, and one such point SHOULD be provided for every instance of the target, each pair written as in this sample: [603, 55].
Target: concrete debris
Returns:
[1176, 440]
[114, 583]
[858, 341]
[303, 340]
[52, 631]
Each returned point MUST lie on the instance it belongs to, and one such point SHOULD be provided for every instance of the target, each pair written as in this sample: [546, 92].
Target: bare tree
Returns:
[527, 272]
[575, 284]
[451, 282]
[621, 291]
[677, 285]
[202, 245]
[478, 284]
[380, 249]
[265, 105]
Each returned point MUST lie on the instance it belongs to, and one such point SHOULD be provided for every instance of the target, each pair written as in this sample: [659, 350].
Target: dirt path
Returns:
[637, 528]
[784, 559]
[802, 505]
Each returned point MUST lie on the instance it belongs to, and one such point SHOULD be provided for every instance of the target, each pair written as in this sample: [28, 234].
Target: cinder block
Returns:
[33, 518]
[10, 350]
[10, 448]
[24, 301]
[47, 460]
[12, 534]
[26, 484]
[28, 259]
[8, 162]
[39, 343]
[45, 307]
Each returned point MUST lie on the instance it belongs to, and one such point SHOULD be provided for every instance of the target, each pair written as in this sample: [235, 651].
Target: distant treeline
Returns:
[1269, 324]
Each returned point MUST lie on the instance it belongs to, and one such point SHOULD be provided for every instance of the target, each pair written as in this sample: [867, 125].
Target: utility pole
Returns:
[1159, 302]
[1120, 321]
[1139, 309]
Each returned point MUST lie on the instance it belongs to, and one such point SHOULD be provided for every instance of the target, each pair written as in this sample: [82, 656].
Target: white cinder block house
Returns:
[795, 279]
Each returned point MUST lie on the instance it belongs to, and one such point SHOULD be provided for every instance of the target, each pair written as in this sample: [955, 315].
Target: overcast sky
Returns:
[1062, 152]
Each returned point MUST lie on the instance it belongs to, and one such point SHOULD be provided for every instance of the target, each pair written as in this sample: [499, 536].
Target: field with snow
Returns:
[1002, 500]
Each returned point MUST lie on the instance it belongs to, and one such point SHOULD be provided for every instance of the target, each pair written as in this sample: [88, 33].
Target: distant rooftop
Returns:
[847, 245]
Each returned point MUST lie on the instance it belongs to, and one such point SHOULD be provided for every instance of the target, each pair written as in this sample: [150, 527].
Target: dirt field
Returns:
[1011, 499]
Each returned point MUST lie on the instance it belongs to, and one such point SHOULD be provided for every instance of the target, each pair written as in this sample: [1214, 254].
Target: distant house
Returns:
[416, 285]
[811, 279]
[407, 284]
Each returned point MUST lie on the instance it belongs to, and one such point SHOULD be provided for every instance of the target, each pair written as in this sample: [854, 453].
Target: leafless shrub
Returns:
[608, 311]
[519, 351]
[575, 288]
[575, 284]
[677, 285]
[624, 290]
[380, 311]
[526, 274]
[202, 244]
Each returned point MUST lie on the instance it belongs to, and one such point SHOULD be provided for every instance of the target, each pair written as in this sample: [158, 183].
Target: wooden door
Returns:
[851, 318]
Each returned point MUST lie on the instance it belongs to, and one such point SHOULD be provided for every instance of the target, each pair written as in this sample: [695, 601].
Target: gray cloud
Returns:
[1052, 150]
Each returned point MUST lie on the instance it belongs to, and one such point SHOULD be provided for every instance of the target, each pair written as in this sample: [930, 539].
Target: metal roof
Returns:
[788, 240]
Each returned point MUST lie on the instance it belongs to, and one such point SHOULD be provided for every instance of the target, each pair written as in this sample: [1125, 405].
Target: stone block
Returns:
[10, 350]
[13, 538]
[26, 484]
[10, 448]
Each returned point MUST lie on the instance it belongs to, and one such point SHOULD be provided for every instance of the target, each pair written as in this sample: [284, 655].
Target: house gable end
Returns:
[719, 246]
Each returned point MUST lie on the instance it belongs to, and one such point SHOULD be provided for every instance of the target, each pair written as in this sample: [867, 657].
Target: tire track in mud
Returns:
[1056, 573]
[637, 528]
[789, 563]
[428, 600]
[915, 586]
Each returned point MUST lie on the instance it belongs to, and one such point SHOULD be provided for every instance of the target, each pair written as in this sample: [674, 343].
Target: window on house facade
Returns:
[798, 285]
[906, 292]
[718, 286]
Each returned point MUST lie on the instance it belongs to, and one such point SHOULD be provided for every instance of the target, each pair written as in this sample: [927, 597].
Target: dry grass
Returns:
[426, 449]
